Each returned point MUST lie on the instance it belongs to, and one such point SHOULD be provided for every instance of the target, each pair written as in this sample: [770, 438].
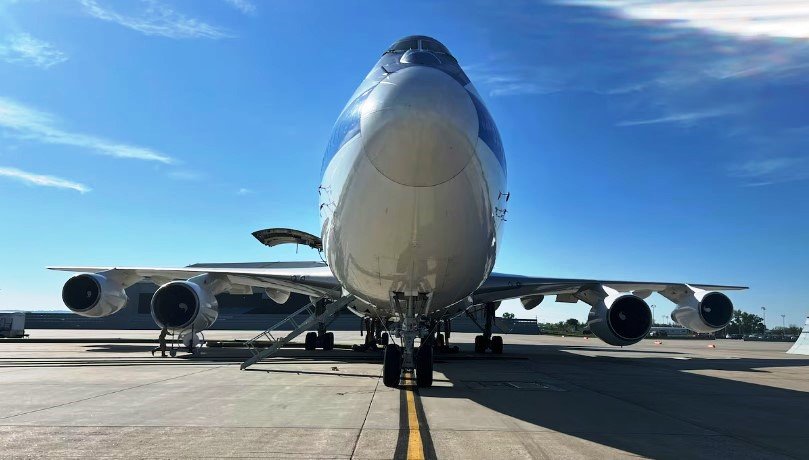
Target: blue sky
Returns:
[646, 140]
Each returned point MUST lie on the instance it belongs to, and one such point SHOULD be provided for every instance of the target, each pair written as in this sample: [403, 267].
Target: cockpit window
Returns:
[430, 45]
[421, 43]
[405, 45]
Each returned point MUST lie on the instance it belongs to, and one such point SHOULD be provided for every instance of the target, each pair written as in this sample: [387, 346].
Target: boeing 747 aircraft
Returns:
[413, 201]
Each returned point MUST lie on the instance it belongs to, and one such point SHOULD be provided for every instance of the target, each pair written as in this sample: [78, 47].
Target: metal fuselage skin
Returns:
[413, 190]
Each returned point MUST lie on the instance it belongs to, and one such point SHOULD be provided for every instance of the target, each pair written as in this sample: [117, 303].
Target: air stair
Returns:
[298, 328]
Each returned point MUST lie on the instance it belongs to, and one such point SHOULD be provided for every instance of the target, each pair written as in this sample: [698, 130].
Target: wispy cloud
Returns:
[244, 191]
[767, 171]
[772, 18]
[245, 6]
[25, 49]
[40, 180]
[686, 118]
[156, 19]
[504, 80]
[30, 124]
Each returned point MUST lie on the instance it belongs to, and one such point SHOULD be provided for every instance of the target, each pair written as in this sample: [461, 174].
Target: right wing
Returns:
[501, 286]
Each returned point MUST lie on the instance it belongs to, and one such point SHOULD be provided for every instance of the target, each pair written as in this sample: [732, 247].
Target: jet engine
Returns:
[703, 311]
[620, 319]
[191, 304]
[94, 295]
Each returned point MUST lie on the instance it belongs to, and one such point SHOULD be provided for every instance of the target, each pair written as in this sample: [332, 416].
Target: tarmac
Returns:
[545, 397]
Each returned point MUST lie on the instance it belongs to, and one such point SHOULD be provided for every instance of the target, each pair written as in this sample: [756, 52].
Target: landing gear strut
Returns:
[482, 342]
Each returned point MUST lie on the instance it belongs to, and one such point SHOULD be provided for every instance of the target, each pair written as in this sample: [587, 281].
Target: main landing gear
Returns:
[315, 340]
[375, 335]
[482, 342]
[321, 338]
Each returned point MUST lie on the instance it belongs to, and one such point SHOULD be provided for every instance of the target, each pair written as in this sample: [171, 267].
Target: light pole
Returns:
[764, 317]
[664, 320]
[653, 310]
[783, 325]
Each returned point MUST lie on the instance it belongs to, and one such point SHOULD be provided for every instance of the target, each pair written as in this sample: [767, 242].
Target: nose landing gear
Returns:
[408, 357]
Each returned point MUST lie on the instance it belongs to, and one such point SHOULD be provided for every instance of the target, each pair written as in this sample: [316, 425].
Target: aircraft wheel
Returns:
[424, 367]
[480, 344]
[311, 341]
[384, 339]
[497, 345]
[328, 341]
[392, 366]
[439, 340]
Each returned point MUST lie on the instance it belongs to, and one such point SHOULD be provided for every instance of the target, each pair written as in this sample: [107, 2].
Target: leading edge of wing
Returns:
[501, 286]
[312, 280]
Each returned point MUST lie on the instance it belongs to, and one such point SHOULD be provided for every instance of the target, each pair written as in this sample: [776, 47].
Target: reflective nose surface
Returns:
[419, 127]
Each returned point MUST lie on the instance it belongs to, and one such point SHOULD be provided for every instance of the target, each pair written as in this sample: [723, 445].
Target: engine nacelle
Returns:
[94, 295]
[184, 305]
[620, 319]
[703, 311]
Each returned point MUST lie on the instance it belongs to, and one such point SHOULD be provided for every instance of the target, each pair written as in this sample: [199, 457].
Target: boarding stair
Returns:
[314, 318]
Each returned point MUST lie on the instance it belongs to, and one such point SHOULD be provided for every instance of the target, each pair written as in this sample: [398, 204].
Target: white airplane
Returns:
[413, 200]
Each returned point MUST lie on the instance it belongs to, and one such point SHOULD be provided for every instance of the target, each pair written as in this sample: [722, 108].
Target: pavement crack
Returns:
[365, 419]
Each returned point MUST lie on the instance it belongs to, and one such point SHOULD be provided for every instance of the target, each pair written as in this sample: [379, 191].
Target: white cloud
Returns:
[27, 123]
[157, 19]
[245, 6]
[504, 80]
[766, 171]
[244, 191]
[682, 118]
[23, 48]
[40, 180]
[749, 18]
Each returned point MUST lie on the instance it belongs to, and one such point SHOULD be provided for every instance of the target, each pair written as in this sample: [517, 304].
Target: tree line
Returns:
[742, 323]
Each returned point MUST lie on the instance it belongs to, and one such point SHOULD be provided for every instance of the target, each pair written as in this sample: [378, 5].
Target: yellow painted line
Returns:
[415, 449]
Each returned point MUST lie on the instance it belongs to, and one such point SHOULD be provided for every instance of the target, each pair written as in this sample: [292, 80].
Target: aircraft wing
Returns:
[309, 278]
[500, 286]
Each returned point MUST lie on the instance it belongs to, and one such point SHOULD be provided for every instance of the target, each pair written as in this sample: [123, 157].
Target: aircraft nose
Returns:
[419, 127]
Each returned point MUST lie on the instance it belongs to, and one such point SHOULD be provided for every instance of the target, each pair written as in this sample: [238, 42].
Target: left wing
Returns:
[309, 278]
[500, 286]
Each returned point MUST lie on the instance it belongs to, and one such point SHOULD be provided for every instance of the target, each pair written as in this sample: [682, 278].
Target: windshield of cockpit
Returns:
[421, 44]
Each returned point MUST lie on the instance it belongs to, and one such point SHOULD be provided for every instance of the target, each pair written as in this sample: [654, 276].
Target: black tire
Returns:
[424, 367]
[480, 344]
[439, 340]
[497, 345]
[311, 341]
[392, 366]
[328, 341]
[384, 339]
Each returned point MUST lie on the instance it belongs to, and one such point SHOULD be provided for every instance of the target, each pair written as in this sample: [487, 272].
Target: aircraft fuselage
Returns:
[413, 191]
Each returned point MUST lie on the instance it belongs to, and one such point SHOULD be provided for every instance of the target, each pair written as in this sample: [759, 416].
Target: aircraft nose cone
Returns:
[419, 127]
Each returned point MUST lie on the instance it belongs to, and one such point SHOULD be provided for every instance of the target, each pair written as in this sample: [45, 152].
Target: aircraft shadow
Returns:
[645, 404]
